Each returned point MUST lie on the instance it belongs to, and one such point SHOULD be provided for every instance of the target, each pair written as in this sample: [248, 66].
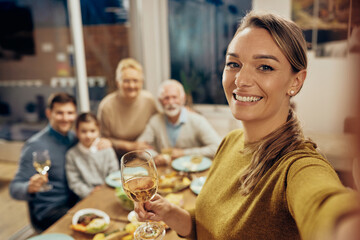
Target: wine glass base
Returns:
[150, 231]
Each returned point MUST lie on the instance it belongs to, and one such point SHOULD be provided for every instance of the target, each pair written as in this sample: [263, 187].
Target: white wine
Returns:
[42, 168]
[140, 189]
[140, 183]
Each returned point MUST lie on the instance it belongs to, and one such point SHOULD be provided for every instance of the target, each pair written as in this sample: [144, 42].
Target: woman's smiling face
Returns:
[257, 78]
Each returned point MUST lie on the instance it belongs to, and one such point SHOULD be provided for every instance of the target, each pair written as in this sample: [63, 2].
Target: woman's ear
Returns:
[297, 82]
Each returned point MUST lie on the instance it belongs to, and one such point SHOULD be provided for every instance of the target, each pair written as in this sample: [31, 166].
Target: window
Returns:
[199, 32]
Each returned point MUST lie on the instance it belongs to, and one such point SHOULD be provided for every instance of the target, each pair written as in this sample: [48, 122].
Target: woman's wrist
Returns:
[175, 215]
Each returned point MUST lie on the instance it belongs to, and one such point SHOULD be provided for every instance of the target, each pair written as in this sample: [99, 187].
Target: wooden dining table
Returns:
[105, 199]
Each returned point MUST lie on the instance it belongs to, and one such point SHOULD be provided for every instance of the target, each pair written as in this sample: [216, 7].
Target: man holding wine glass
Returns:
[46, 207]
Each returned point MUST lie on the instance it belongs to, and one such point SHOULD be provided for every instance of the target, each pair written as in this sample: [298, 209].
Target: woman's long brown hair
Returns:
[267, 151]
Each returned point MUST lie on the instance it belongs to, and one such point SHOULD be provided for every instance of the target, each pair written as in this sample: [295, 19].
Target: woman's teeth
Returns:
[247, 99]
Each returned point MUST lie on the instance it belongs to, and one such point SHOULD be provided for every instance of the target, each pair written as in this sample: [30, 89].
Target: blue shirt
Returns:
[57, 145]
[174, 129]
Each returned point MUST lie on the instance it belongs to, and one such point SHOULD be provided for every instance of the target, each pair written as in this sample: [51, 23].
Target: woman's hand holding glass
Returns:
[156, 210]
[160, 209]
[140, 182]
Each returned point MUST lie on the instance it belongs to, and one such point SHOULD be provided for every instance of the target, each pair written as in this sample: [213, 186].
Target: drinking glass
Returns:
[42, 163]
[139, 179]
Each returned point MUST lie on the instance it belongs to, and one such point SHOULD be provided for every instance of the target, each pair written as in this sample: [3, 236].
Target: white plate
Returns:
[52, 236]
[197, 184]
[98, 212]
[114, 179]
[184, 164]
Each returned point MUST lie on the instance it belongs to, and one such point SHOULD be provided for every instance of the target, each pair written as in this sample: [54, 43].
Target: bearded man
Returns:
[177, 131]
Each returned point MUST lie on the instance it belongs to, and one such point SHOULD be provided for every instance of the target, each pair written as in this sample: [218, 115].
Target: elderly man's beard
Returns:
[172, 110]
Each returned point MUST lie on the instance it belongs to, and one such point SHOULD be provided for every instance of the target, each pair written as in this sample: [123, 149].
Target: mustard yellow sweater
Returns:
[300, 197]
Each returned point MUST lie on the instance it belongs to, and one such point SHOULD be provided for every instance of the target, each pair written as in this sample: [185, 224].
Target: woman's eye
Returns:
[232, 64]
[266, 68]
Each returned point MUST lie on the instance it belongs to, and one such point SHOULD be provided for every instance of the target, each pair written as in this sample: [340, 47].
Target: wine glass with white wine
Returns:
[139, 179]
[42, 163]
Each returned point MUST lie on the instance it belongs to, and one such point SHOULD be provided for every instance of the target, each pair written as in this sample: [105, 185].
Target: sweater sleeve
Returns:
[19, 185]
[316, 197]
[75, 181]
[149, 135]
[206, 136]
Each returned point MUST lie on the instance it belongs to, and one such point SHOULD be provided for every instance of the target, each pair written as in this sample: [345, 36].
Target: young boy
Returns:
[86, 166]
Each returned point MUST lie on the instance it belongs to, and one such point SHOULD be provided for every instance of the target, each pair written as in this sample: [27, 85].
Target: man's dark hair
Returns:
[61, 97]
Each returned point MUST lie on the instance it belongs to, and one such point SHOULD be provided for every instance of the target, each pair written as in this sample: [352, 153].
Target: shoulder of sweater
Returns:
[73, 151]
[108, 98]
[156, 118]
[109, 150]
[146, 94]
[193, 114]
[303, 156]
[39, 138]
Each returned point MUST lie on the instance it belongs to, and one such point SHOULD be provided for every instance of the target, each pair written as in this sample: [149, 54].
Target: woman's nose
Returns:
[131, 84]
[243, 78]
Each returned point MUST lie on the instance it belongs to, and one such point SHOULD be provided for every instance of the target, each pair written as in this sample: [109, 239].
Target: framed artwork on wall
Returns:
[331, 27]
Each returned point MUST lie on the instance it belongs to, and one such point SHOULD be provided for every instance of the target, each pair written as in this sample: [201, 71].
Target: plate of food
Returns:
[197, 184]
[172, 182]
[90, 220]
[114, 179]
[192, 163]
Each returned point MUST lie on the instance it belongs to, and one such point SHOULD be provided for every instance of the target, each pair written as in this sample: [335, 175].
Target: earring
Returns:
[292, 92]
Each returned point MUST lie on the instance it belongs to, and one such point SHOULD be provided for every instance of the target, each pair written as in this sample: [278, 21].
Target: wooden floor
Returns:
[13, 213]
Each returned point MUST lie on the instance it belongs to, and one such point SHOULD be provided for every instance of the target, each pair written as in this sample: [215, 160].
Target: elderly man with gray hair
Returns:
[177, 130]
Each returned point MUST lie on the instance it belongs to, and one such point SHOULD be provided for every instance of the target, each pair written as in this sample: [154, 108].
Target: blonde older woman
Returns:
[124, 113]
